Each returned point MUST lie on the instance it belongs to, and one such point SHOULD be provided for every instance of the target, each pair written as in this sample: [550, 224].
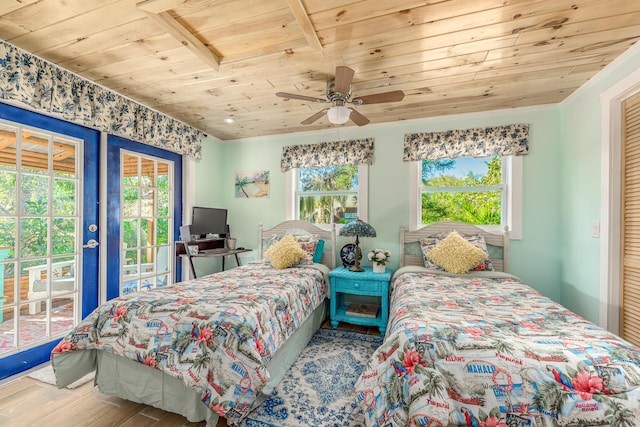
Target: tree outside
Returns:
[327, 195]
[475, 198]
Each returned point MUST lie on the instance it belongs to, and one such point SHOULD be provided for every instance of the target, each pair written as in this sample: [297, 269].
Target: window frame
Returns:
[291, 189]
[511, 196]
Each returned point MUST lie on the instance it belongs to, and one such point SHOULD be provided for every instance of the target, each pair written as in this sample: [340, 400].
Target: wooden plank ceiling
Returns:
[201, 61]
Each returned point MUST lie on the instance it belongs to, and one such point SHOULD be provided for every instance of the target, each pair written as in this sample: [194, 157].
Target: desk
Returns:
[210, 248]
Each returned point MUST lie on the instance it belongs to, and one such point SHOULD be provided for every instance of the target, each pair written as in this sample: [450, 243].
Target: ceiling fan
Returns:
[338, 93]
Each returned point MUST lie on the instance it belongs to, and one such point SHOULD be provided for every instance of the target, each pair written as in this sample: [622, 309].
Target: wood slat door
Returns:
[630, 221]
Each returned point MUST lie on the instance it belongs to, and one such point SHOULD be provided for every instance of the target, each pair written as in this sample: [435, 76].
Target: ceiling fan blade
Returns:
[342, 80]
[315, 117]
[393, 96]
[358, 118]
[300, 97]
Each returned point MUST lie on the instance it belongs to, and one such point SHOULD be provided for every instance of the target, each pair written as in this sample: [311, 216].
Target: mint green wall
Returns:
[580, 187]
[536, 258]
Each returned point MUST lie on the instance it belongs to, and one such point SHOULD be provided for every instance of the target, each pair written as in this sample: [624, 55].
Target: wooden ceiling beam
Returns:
[297, 8]
[165, 21]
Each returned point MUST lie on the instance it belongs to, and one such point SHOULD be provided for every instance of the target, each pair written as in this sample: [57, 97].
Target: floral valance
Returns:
[48, 88]
[510, 140]
[323, 154]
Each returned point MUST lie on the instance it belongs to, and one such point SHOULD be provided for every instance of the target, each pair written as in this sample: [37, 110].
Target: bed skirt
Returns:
[139, 383]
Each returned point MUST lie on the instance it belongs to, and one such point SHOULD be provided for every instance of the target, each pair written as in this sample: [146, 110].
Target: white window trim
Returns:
[512, 175]
[291, 183]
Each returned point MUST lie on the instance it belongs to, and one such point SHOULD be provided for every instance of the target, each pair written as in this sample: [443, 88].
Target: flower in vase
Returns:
[379, 256]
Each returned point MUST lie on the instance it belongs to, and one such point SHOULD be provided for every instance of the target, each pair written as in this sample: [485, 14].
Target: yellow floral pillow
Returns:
[455, 254]
[285, 253]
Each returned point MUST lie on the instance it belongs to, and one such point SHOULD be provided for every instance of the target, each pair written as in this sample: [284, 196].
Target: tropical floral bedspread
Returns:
[489, 352]
[216, 333]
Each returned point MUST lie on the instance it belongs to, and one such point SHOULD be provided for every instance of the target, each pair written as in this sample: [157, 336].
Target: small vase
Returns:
[379, 268]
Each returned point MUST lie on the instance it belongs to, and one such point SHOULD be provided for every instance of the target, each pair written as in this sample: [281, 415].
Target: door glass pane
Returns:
[64, 158]
[8, 138]
[130, 233]
[34, 194]
[147, 202]
[66, 195]
[146, 232]
[7, 237]
[130, 166]
[39, 258]
[162, 231]
[8, 192]
[34, 235]
[63, 236]
[147, 173]
[35, 152]
[147, 211]
[130, 202]
[163, 203]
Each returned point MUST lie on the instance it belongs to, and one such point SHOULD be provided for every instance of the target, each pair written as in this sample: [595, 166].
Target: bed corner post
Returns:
[260, 240]
[402, 246]
[505, 249]
[334, 250]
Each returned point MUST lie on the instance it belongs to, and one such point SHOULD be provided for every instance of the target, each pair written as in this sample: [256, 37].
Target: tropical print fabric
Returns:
[509, 140]
[492, 352]
[323, 154]
[45, 87]
[216, 334]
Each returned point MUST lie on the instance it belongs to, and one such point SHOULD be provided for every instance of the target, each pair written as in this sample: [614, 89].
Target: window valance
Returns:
[46, 87]
[510, 140]
[323, 154]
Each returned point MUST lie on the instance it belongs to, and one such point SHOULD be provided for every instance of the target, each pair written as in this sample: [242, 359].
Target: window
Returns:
[327, 195]
[481, 191]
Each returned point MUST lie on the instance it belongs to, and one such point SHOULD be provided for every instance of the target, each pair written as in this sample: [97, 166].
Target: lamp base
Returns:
[356, 268]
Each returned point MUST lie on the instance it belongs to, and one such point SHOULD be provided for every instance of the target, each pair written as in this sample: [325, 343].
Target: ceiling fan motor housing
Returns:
[334, 96]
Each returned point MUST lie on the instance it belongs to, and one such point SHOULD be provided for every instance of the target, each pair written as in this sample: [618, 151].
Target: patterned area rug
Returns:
[318, 389]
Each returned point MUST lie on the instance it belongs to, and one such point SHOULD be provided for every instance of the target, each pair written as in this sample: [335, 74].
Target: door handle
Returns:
[91, 243]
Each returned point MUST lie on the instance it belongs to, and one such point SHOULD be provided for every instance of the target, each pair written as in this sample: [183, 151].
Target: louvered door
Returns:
[630, 241]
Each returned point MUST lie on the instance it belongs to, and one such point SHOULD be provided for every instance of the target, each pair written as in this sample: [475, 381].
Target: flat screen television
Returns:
[208, 221]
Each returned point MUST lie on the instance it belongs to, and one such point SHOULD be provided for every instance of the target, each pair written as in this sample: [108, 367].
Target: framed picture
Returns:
[252, 184]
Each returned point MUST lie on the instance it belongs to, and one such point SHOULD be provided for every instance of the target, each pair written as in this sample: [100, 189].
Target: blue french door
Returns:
[144, 213]
[49, 172]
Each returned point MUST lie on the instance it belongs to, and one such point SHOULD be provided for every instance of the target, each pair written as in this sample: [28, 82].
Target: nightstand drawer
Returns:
[354, 285]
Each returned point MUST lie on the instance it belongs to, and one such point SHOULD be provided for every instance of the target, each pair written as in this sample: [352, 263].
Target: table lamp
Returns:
[357, 228]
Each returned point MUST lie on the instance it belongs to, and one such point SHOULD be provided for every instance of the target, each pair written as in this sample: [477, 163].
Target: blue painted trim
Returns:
[114, 144]
[27, 359]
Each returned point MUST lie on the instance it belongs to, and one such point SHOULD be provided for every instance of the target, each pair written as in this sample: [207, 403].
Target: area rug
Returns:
[318, 390]
[46, 375]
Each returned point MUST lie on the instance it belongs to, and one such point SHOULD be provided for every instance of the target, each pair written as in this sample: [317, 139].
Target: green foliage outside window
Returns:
[35, 228]
[443, 201]
[333, 192]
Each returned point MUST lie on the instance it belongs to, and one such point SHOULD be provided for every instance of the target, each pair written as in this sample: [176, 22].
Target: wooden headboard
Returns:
[329, 237]
[498, 240]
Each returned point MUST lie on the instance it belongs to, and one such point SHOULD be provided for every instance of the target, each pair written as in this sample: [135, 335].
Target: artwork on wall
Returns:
[252, 184]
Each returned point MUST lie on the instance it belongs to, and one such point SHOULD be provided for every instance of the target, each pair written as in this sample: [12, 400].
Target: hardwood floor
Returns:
[28, 402]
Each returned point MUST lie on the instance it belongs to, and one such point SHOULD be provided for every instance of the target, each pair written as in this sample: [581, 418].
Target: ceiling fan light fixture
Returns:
[338, 114]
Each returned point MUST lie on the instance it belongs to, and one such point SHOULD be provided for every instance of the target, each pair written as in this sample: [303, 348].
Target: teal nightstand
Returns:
[345, 282]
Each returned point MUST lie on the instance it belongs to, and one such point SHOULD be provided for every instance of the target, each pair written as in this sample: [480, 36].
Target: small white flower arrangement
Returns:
[379, 256]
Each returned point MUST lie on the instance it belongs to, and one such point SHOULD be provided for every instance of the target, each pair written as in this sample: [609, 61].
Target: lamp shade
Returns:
[338, 114]
[357, 228]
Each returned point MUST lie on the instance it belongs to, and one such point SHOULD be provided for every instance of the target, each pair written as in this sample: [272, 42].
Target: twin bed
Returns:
[479, 349]
[209, 347]
[484, 350]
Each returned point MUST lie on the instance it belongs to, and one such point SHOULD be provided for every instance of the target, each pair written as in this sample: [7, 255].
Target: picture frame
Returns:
[252, 184]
